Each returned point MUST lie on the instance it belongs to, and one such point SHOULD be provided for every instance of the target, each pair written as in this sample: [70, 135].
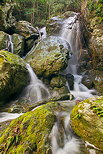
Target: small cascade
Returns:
[36, 90]
[71, 33]
[62, 139]
[43, 32]
[4, 116]
[10, 44]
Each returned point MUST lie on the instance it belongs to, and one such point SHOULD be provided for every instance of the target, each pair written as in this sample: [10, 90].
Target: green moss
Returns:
[30, 132]
[13, 74]
[86, 121]
[96, 9]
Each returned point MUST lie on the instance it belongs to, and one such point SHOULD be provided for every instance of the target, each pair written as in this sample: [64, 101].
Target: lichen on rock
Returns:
[13, 75]
[87, 121]
[49, 57]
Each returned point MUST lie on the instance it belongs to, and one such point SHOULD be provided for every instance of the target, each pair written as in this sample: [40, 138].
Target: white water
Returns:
[4, 116]
[71, 145]
[71, 33]
[10, 44]
[36, 90]
[43, 30]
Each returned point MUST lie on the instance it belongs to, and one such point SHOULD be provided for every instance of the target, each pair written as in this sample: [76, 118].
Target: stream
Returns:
[65, 142]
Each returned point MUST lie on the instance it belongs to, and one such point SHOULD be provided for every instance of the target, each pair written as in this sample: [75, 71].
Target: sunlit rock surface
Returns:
[87, 121]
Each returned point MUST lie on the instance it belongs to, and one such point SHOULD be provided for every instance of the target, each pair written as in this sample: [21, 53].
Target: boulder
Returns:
[30, 133]
[13, 75]
[58, 81]
[87, 121]
[49, 57]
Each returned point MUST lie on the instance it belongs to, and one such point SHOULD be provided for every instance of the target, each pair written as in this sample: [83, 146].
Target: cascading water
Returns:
[64, 143]
[43, 31]
[71, 33]
[10, 44]
[36, 90]
[70, 143]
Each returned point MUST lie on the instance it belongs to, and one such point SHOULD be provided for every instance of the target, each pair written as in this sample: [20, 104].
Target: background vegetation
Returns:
[38, 11]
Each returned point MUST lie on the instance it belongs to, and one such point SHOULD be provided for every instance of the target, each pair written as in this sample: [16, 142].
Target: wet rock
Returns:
[87, 81]
[97, 77]
[70, 79]
[49, 57]
[87, 121]
[13, 75]
[60, 92]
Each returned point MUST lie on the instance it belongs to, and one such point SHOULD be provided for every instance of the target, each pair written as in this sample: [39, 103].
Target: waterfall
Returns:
[70, 144]
[71, 33]
[36, 90]
[10, 44]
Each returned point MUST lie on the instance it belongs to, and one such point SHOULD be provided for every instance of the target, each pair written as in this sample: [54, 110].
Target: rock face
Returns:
[13, 75]
[49, 57]
[92, 12]
[87, 121]
[7, 21]
[30, 132]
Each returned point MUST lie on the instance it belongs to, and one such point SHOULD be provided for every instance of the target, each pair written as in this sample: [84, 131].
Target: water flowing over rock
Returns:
[70, 31]
[36, 91]
[49, 57]
[13, 75]
[54, 24]
[87, 121]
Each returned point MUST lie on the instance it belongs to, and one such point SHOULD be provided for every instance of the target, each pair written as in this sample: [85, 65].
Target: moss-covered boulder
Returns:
[49, 57]
[87, 121]
[13, 75]
[30, 132]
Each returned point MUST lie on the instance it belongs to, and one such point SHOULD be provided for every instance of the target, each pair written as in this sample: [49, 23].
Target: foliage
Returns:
[38, 11]
[96, 9]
